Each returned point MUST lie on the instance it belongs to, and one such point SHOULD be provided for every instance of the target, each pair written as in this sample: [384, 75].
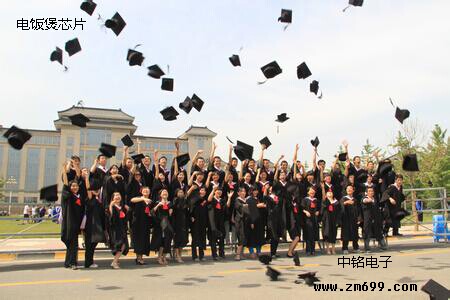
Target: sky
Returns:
[386, 48]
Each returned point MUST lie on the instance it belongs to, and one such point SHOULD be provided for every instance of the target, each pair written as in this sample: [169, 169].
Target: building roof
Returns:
[197, 130]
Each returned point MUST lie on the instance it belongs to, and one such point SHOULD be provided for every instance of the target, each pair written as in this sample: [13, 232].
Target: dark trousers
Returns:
[218, 242]
[310, 246]
[345, 245]
[200, 254]
[273, 246]
[71, 253]
[89, 254]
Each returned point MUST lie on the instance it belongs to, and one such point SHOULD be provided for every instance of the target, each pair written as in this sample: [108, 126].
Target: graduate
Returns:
[179, 181]
[126, 166]
[180, 222]
[215, 164]
[98, 172]
[311, 211]
[349, 229]
[145, 168]
[140, 224]
[198, 211]
[229, 187]
[73, 168]
[118, 228]
[373, 225]
[295, 222]
[113, 182]
[331, 219]
[274, 218]
[392, 198]
[217, 207]
[241, 218]
[161, 168]
[72, 204]
[160, 182]
[255, 227]
[94, 231]
[232, 165]
[162, 230]
[199, 165]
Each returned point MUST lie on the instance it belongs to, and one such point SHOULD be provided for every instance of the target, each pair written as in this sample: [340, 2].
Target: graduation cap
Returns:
[266, 142]
[49, 193]
[135, 58]
[107, 150]
[286, 16]
[309, 278]
[271, 70]
[296, 259]
[435, 290]
[400, 214]
[401, 114]
[314, 87]
[197, 102]
[169, 113]
[73, 46]
[79, 120]
[138, 157]
[342, 156]
[127, 141]
[183, 159]
[116, 23]
[88, 6]
[57, 55]
[410, 163]
[167, 84]
[315, 142]
[272, 273]
[186, 105]
[243, 151]
[353, 3]
[17, 137]
[235, 61]
[155, 72]
[282, 118]
[384, 168]
[265, 259]
[303, 71]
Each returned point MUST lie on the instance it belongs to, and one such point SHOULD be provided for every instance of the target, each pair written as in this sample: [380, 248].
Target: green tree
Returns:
[368, 151]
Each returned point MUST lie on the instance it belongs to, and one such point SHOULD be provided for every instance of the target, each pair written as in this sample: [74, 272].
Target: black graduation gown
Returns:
[126, 174]
[246, 186]
[252, 174]
[72, 207]
[233, 172]
[221, 172]
[166, 173]
[373, 225]
[133, 189]
[349, 228]
[111, 186]
[296, 218]
[331, 219]
[255, 236]
[195, 168]
[280, 190]
[397, 194]
[140, 226]
[94, 231]
[311, 227]
[180, 222]
[199, 211]
[174, 186]
[147, 176]
[162, 229]
[157, 186]
[216, 218]
[241, 220]
[227, 188]
[118, 230]
[98, 176]
[274, 217]
[336, 180]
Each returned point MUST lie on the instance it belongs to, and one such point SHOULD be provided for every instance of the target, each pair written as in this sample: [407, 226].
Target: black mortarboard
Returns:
[167, 84]
[272, 273]
[286, 16]
[384, 168]
[265, 259]
[401, 114]
[17, 137]
[410, 163]
[169, 113]
[73, 46]
[116, 23]
[296, 259]
[57, 55]
[235, 61]
[243, 151]
[356, 2]
[183, 159]
[307, 274]
[155, 72]
[315, 142]
[435, 290]
[79, 120]
[342, 156]
[303, 71]
[314, 87]
[282, 118]
[186, 105]
[266, 142]
[127, 141]
[400, 214]
[197, 102]
[309, 277]
[49, 193]
[135, 58]
[107, 150]
[138, 157]
[271, 70]
[88, 6]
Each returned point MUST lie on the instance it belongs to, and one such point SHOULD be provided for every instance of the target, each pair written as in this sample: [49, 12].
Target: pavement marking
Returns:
[44, 282]
[424, 252]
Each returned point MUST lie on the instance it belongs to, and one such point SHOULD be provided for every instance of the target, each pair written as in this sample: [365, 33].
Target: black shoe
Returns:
[194, 259]
[215, 258]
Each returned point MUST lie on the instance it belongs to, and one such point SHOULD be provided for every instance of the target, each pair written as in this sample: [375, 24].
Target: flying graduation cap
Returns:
[167, 84]
[265, 258]
[183, 159]
[137, 158]
[271, 70]
[281, 118]
[235, 61]
[342, 156]
[127, 141]
[353, 3]
[49, 193]
[243, 151]
[309, 278]
[134, 57]
[303, 71]
[73, 46]
[315, 142]
[116, 23]
[400, 114]
[107, 150]
[435, 290]
[57, 55]
[286, 16]
[186, 105]
[272, 273]
[169, 113]
[155, 72]
[88, 6]
[197, 102]
[410, 163]
[17, 137]
[314, 87]
[79, 120]
[266, 142]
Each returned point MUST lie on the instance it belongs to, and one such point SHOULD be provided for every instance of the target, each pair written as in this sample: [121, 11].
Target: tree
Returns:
[2, 187]
[368, 151]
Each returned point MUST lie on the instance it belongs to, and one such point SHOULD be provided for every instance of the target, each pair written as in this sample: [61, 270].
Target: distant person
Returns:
[26, 214]
[419, 209]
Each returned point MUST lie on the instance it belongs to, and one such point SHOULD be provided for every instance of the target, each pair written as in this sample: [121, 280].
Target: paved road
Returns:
[413, 262]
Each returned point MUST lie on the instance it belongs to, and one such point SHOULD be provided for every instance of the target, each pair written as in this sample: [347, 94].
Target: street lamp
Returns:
[11, 181]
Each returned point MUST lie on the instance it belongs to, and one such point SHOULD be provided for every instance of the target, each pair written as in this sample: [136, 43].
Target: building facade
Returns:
[39, 162]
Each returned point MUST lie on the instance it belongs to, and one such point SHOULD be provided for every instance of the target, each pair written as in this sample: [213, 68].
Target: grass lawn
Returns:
[15, 226]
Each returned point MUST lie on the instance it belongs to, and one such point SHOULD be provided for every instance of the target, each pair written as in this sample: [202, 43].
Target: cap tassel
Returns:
[168, 69]
[66, 68]
[261, 82]
[278, 129]
[345, 8]
[321, 94]
[138, 45]
[392, 102]
[285, 27]
[102, 23]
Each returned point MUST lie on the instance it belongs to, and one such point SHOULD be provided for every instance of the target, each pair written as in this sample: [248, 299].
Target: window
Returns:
[32, 175]
[184, 147]
[69, 153]
[87, 157]
[171, 146]
[44, 140]
[169, 160]
[155, 146]
[51, 166]
[14, 199]
[30, 200]
[93, 137]
[70, 141]
[13, 168]
[201, 143]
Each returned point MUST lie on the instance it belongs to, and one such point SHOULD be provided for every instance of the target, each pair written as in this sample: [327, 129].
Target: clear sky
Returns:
[386, 48]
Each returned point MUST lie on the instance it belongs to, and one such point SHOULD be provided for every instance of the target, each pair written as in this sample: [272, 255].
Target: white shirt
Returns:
[25, 209]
